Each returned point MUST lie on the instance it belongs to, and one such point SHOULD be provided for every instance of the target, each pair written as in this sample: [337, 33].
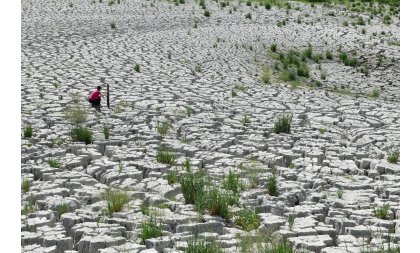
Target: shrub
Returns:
[25, 185]
[247, 219]
[106, 132]
[113, 25]
[272, 186]
[282, 125]
[54, 163]
[27, 132]
[137, 67]
[382, 211]
[206, 13]
[231, 182]
[248, 15]
[62, 208]
[201, 246]
[192, 187]
[376, 93]
[76, 114]
[394, 156]
[149, 230]
[116, 199]
[164, 156]
[81, 134]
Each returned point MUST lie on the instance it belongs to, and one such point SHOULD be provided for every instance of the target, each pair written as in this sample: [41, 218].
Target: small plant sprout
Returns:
[382, 211]
[137, 67]
[272, 186]
[291, 220]
[340, 193]
[245, 120]
[27, 132]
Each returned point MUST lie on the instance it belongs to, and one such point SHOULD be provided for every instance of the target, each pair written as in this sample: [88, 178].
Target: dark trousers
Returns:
[96, 102]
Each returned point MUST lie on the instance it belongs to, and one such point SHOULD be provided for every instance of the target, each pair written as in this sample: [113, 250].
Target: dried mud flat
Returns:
[200, 113]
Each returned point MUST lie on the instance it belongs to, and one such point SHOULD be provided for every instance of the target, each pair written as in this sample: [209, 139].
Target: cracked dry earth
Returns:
[331, 171]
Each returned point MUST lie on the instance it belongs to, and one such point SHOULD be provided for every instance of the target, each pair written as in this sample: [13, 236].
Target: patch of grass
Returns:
[28, 131]
[232, 182]
[187, 164]
[307, 53]
[54, 163]
[25, 185]
[216, 202]
[382, 211]
[291, 220]
[162, 128]
[62, 208]
[81, 134]
[279, 247]
[206, 13]
[150, 229]
[376, 93]
[192, 187]
[272, 186]
[394, 156]
[76, 114]
[340, 193]
[245, 120]
[106, 132]
[322, 130]
[116, 199]
[283, 124]
[29, 207]
[267, 75]
[172, 177]
[247, 219]
[201, 246]
[164, 156]
[137, 67]
[328, 55]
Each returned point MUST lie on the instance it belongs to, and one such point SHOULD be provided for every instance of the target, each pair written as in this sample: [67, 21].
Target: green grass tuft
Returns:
[283, 124]
[81, 134]
[28, 131]
[116, 199]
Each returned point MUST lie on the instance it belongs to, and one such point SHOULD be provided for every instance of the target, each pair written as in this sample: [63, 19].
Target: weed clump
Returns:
[247, 219]
[63, 208]
[116, 199]
[201, 246]
[394, 156]
[283, 124]
[272, 186]
[231, 182]
[54, 163]
[137, 67]
[76, 114]
[27, 132]
[192, 187]
[25, 185]
[81, 134]
[382, 211]
[164, 156]
[149, 230]
[206, 13]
